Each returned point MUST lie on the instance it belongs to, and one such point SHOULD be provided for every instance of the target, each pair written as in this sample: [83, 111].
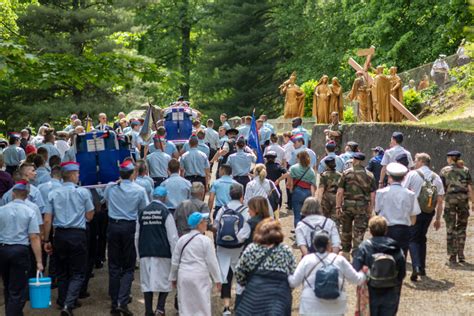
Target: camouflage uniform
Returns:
[456, 181]
[358, 184]
[329, 182]
[337, 139]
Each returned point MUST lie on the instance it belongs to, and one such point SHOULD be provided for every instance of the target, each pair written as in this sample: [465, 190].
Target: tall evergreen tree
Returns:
[240, 60]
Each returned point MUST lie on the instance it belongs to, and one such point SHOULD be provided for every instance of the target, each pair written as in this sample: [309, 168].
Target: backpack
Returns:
[232, 150]
[383, 272]
[428, 194]
[230, 223]
[326, 282]
[314, 229]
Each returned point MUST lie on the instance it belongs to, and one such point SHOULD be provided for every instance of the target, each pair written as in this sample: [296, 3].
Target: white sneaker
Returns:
[226, 312]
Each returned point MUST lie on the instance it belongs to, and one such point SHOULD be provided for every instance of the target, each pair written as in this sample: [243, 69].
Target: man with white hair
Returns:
[187, 207]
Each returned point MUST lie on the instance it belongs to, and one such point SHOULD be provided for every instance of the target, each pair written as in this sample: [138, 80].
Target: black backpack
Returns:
[383, 272]
[230, 223]
[232, 150]
[314, 230]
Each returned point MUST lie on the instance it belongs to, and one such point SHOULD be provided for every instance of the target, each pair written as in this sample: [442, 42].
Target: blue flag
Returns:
[253, 141]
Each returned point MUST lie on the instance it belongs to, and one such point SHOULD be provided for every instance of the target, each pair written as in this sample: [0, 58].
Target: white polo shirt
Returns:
[396, 204]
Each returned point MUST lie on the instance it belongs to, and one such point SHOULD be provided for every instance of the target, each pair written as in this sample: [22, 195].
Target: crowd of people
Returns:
[156, 217]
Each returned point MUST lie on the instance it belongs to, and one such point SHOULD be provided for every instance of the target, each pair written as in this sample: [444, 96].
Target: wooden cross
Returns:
[369, 52]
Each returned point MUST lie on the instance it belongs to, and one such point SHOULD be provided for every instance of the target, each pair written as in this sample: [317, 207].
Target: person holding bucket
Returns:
[68, 207]
[19, 227]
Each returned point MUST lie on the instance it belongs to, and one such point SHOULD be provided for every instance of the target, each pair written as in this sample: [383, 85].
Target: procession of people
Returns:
[208, 213]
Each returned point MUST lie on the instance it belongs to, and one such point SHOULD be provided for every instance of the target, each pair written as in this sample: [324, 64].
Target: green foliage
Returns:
[349, 115]
[308, 88]
[239, 63]
[412, 100]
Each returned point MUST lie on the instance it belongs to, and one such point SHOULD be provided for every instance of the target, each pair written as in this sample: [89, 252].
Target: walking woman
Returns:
[302, 183]
[263, 270]
[260, 186]
[258, 211]
[314, 299]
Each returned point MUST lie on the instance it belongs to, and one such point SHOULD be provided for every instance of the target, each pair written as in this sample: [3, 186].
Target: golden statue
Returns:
[361, 93]
[424, 83]
[396, 91]
[294, 98]
[321, 97]
[335, 103]
[381, 88]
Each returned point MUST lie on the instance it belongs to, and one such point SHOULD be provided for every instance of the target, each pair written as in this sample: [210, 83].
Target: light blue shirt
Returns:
[39, 217]
[179, 189]
[17, 222]
[202, 147]
[346, 156]
[212, 138]
[244, 131]
[124, 200]
[264, 134]
[68, 204]
[52, 150]
[147, 183]
[34, 196]
[312, 156]
[303, 131]
[70, 154]
[241, 162]
[221, 188]
[47, 187]
[158, 164]
[269, 126]
[339, 163]
[42, 176]
[194, 163]
[222, 140]
[169, 147]
[226, 125]
[13, 155]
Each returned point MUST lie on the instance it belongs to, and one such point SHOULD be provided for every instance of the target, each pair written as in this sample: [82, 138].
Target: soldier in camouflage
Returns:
[355, 202]
[328, 185]
[457, 183]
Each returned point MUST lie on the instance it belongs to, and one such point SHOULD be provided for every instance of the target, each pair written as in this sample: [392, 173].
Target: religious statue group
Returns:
[327, 98]
[374, 98]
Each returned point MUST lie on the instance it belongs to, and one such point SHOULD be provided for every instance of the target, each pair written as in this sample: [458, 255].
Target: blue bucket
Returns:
[40, 291]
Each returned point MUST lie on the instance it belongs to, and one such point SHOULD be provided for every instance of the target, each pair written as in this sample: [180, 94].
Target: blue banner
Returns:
[253, 141]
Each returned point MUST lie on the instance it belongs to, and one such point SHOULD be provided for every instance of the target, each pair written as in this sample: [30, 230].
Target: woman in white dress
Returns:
[193, 264]
[305, 274]
[260, 186]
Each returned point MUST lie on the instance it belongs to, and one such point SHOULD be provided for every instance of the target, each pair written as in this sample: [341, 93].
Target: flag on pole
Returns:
[145, 131]
[253, 141]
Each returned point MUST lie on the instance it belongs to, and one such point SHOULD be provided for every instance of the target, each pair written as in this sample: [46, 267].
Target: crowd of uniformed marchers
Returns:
[156, 218]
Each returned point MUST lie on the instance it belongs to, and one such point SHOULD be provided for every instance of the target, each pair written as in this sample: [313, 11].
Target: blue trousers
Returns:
[401, 234]
[384, 302]
[298, 197]
[70, 253]
[418, 239]
[122, 257]
[14, 265]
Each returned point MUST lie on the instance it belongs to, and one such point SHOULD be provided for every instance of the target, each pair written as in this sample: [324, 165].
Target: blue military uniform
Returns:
[312, 156]
[158, 166]
[34, 196]
[17, 222]
[169, 148]
[12, 156]
[194, 163]
[68, 205]
[180, 188]
[43, 175]
[241, 164]
[337, 159]
[147, 183]
[124, 200]
[52, 150]
[202, 147]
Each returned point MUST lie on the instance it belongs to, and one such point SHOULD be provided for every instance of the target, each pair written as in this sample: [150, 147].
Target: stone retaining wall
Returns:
[416, 139]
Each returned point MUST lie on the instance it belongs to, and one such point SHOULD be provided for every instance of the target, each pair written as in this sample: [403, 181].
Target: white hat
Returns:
[396, 169]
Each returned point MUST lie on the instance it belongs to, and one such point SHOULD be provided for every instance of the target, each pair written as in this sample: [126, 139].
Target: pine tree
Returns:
[240, 62]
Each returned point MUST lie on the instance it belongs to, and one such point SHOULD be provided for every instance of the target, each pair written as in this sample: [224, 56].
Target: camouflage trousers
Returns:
[354, 221]
[328, 207]
[456, 214]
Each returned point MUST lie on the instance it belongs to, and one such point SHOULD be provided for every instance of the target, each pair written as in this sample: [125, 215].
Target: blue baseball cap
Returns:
[196, 218]
[160, 191]
[70, 166]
